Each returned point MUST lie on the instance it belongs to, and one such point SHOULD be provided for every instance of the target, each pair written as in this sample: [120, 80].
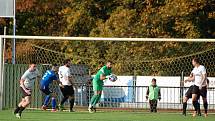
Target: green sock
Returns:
[97, 99]
[93, 99]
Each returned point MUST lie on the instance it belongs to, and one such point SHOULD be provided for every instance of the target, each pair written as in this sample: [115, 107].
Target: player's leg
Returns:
[195, 104]
[94, 100]
[198, 106]
[195, 99]
[205, 103]
[54, 102]
[188, 95]
[24, 103]
[203, 93]
[155, 102]
[71, 98]
[18, 106]
[185, 99]
[64, 99]
[47, 92]
[151, 105]
[45, 103]
[97, 95]
[71, 102]
[27, 101]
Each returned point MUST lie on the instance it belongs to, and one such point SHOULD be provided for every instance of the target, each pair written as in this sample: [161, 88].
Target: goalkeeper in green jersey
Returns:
[98, 85]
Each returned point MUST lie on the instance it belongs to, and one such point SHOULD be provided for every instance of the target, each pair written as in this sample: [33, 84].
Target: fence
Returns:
[134, 97]
[113, 96]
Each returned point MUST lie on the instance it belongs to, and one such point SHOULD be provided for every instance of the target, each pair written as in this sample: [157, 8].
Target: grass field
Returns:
[99, 116]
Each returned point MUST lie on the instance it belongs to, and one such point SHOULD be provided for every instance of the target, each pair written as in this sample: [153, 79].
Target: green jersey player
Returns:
[98, 84]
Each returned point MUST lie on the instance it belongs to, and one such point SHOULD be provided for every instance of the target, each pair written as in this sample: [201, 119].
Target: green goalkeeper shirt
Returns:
[105, 71]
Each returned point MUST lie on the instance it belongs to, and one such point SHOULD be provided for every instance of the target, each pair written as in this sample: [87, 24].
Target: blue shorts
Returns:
[45, 90]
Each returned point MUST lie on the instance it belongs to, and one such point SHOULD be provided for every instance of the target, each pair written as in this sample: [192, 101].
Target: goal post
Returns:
[1, 73]
[135, 57]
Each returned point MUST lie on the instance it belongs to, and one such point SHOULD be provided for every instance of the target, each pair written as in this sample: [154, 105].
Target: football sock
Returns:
[198, 108]
[46, 101]
[16, 110]
[53, 103]
[97, 99]
[195, 105]
[206, 107]
[184, 107]
[93, 100]
[21, 109]
[71, 101]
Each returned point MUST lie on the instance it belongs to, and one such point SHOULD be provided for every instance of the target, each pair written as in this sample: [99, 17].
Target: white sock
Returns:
[90, 106]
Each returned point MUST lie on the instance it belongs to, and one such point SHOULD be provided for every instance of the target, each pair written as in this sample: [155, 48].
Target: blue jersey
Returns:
[48, 78]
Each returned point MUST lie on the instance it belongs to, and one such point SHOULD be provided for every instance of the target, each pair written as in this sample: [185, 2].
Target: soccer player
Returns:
[199, 76]
[203, 93]
[26, 85]
[98, 85]
[67, 85]
[153, 94]
[47, 79]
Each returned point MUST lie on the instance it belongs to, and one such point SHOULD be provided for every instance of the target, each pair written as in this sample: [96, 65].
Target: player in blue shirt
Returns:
[47, 79]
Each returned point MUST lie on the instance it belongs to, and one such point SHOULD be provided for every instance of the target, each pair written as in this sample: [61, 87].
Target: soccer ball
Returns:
[113, 78]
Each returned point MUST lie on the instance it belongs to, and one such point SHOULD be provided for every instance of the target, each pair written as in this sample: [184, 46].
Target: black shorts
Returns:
[45, 90]
[24, 94]
[188, 94]
[67, 91]
[192, 90]
[195, 90]
[203, 92]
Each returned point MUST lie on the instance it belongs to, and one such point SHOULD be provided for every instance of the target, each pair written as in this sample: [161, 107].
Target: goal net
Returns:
[136, 62]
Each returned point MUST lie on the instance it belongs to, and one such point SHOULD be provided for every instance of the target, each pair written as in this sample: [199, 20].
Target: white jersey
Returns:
[29, 78]
[64, 74]
[198, 73]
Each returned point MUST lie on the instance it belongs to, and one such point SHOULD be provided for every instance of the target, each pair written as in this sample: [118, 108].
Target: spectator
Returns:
[153, 94]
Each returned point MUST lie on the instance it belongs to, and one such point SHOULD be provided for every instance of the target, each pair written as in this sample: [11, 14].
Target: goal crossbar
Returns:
[105, 38]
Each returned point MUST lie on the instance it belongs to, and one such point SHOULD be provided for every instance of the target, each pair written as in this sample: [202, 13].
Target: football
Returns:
[113, 78]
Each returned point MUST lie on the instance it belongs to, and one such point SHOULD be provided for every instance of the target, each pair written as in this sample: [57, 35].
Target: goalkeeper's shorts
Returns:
[97, 85]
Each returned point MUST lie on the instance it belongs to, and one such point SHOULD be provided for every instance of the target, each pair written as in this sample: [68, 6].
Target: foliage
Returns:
[118, 18]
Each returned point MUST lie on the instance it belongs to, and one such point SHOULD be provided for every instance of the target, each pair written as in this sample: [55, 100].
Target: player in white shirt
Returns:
[199, 76]
[67, 85]
[26, 85]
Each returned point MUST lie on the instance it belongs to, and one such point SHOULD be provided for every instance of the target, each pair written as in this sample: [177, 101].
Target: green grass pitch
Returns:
[7, 115]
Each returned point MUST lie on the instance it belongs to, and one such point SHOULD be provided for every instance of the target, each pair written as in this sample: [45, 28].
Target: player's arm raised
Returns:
[190, 79]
